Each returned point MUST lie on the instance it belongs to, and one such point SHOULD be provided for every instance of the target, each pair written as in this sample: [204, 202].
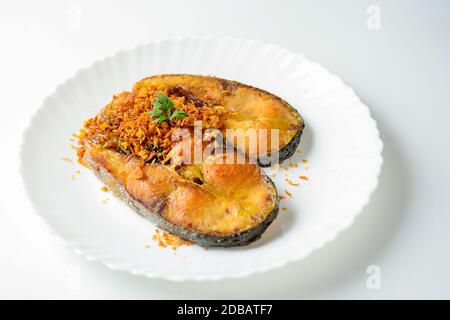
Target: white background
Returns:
[401, 71]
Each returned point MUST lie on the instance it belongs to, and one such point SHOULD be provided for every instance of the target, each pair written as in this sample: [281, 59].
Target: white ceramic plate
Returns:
[340, 142]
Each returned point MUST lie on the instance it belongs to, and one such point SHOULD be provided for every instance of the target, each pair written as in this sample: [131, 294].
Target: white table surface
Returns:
[402, 71]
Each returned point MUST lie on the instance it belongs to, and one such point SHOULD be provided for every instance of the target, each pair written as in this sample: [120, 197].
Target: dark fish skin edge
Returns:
[204, 240]
[286, 152]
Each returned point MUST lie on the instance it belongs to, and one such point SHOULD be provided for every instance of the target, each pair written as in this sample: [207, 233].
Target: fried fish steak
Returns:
[249, 109]
[212, 205]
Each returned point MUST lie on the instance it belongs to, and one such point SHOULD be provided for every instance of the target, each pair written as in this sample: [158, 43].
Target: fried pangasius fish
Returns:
[129, 146]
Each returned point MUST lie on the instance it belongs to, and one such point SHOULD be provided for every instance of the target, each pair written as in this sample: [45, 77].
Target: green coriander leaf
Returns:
[155, 112]
[178, 114]
[162, 102]
[163, 110]
[160, 119]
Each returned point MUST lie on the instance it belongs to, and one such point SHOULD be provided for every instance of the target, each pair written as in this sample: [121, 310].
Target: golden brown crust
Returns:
[230, 199]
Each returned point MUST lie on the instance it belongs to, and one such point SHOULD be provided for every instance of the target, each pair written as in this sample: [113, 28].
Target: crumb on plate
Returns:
[165, 239]
[67, 159]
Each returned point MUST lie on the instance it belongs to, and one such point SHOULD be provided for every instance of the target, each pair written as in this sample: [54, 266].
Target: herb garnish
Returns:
[163, 110]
